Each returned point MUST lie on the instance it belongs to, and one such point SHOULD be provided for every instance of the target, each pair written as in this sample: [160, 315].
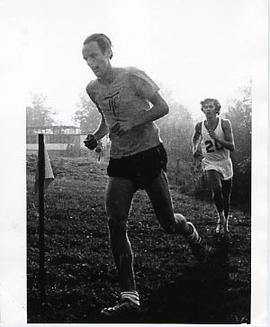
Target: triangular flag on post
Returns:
[49, 176]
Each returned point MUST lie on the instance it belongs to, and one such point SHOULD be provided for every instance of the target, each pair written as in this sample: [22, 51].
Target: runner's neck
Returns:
[211, 123]
[108, 77]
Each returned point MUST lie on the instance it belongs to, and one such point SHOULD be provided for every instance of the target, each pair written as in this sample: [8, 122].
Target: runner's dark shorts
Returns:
[142, 168]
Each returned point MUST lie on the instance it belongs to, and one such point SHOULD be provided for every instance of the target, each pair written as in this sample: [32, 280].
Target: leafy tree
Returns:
[239, 113]
[87, 115]
[39, 114]
[176, 130]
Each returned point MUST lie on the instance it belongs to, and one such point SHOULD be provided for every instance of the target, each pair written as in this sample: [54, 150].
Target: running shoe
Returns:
[124, 309]
[200, 250]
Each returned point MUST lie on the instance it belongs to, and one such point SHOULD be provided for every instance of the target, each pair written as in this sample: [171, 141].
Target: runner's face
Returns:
[95, 58]
[209, 109]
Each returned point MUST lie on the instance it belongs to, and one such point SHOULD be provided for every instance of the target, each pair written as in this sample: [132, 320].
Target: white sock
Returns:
[221, 217]
[133, 296]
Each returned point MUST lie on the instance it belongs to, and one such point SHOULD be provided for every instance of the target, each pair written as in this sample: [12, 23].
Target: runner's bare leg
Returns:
[118, 199]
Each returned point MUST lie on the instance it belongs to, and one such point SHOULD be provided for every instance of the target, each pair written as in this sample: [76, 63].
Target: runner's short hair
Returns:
[102, 40]
[215, 101]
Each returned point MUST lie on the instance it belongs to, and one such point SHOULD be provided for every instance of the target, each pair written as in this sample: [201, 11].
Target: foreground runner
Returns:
[215, 136]
[137, 159]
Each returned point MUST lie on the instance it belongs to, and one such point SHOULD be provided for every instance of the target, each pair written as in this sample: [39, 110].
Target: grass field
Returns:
[80, 275]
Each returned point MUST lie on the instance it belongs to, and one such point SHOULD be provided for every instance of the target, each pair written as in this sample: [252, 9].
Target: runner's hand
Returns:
[213, 135]
[197, 154]
[90, 142]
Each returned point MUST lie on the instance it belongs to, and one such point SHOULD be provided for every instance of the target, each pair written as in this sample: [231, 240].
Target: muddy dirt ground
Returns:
[80, 277]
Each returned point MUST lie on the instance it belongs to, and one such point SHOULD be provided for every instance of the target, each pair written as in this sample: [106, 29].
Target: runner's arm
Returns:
[158, 110]
[102, 129]
[196, 140]
[92, 139]
[228, 141]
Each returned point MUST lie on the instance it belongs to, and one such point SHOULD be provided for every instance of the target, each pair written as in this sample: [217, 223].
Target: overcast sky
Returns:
[191, 48]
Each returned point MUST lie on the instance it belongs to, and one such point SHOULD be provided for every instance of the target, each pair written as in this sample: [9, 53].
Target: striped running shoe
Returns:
[125, 309]
[200, 250]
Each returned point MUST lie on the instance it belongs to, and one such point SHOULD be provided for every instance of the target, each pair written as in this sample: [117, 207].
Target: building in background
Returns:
[62, 140]
[65, 140]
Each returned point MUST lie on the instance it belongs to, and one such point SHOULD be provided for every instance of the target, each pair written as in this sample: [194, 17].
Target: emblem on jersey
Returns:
[113, 102]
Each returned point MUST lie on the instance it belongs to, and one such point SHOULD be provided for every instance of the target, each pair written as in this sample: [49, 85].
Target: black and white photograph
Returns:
[135, 162]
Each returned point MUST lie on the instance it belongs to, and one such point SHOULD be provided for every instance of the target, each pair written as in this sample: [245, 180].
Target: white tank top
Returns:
[211, 149]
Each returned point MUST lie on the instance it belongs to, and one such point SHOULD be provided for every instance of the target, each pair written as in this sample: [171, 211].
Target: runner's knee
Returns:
[218, 200]
[216, 190]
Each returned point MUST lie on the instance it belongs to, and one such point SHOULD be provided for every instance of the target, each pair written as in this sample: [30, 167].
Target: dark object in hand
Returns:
[90, 142]
[99, 148]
